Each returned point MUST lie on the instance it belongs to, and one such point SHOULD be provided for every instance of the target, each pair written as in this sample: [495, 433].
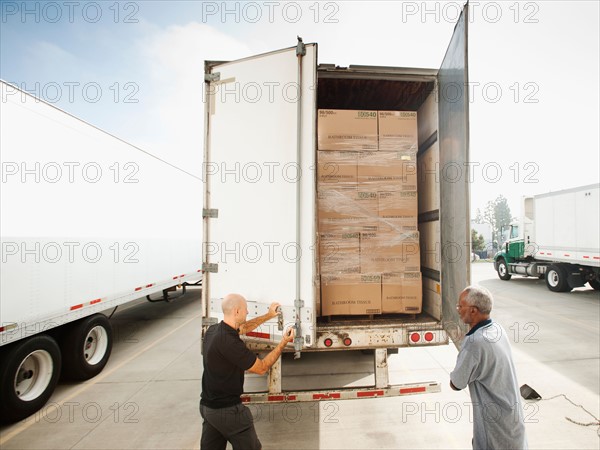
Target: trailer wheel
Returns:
[86, 347]
[595, 284]
[503, 270]
[29, 373]
[556, 279]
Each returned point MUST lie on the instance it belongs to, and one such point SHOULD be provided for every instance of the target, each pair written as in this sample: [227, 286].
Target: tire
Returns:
[86, 347]
[595, 284]
[556, 279]
[503, 270]
[28, 375]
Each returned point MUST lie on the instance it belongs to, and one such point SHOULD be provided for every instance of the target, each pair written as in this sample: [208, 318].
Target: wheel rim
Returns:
[502, 269]
[553, 278]
[95, 345]
[33, 375]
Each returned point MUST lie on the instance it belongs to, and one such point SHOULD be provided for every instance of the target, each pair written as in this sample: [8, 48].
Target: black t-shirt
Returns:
[225, 359]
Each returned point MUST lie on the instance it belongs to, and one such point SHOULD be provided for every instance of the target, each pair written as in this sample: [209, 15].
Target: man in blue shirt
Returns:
[485, 364]
[226, 358]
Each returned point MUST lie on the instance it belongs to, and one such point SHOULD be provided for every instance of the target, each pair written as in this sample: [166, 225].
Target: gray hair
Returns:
[479, 297]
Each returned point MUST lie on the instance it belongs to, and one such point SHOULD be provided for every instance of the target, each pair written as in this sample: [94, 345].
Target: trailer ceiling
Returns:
[372, 94]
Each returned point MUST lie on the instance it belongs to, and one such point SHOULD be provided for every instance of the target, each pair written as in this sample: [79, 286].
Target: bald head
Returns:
[231, 302]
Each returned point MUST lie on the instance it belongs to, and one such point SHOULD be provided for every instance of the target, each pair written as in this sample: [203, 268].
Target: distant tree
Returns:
[477, 241]
[496, 214]
[502, 213]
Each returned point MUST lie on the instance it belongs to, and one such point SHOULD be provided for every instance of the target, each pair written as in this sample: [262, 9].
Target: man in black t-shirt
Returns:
[225, 358]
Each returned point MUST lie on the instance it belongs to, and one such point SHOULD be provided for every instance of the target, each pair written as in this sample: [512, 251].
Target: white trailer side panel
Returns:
[88, 221]
[567, 226]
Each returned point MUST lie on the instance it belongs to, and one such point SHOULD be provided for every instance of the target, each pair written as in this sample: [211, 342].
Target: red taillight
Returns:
[328, 342]
[347, 342]
[415, 337]
[429, 336]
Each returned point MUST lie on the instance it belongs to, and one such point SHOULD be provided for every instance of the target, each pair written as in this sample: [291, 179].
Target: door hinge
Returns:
[299, 303]
[210, 267]
[300, 47]
[210, 213]
[210, 77]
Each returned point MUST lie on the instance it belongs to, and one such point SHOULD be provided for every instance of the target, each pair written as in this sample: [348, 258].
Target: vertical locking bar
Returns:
[300, 52]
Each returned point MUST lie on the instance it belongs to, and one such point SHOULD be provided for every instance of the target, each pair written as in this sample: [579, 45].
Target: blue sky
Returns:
[148, 66]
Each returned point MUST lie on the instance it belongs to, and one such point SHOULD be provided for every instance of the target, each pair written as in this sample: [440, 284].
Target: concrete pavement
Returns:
[147, 396]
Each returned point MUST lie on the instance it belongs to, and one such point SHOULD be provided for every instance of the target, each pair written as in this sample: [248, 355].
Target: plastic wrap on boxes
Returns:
[339, 252]
[384, 251]
[387, 171]
[398, 130]
[336, 169]
[352, 130]
[398, 211]
[347, 210]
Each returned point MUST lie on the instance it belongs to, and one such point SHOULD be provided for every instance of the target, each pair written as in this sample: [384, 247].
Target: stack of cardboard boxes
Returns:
[367, 212]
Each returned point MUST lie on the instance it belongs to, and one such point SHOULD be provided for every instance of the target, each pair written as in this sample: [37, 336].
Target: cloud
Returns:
[172, 92]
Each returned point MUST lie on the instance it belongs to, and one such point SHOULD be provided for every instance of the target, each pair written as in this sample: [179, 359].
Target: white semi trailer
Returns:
[85, 228]
[556, 238]
[260, 227]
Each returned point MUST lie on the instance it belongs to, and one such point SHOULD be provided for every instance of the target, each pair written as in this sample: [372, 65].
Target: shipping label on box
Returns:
[351, 294]
[401, 293]
[336, 169]
[398, 131]
[354, 130]
[387, 171]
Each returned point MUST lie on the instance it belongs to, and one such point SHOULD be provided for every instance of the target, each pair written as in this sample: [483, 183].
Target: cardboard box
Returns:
[398, 131]
[339, 252]
[387, 171]
[398, 226]
[398, 211]
[398, 204]
[389, 252]
[336, 261]
[336, 169]
[351, 294]
[354, 130]
[401, 293]
[347, 210]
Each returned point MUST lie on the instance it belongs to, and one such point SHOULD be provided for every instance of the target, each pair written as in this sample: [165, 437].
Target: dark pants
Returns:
[233, 424]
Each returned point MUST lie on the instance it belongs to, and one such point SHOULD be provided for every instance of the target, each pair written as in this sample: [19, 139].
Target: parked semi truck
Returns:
[556, 238]
[260, 221]
[85, 228]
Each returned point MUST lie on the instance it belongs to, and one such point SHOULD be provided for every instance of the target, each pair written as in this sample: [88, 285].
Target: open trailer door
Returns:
[259, 188]
[453, 100]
